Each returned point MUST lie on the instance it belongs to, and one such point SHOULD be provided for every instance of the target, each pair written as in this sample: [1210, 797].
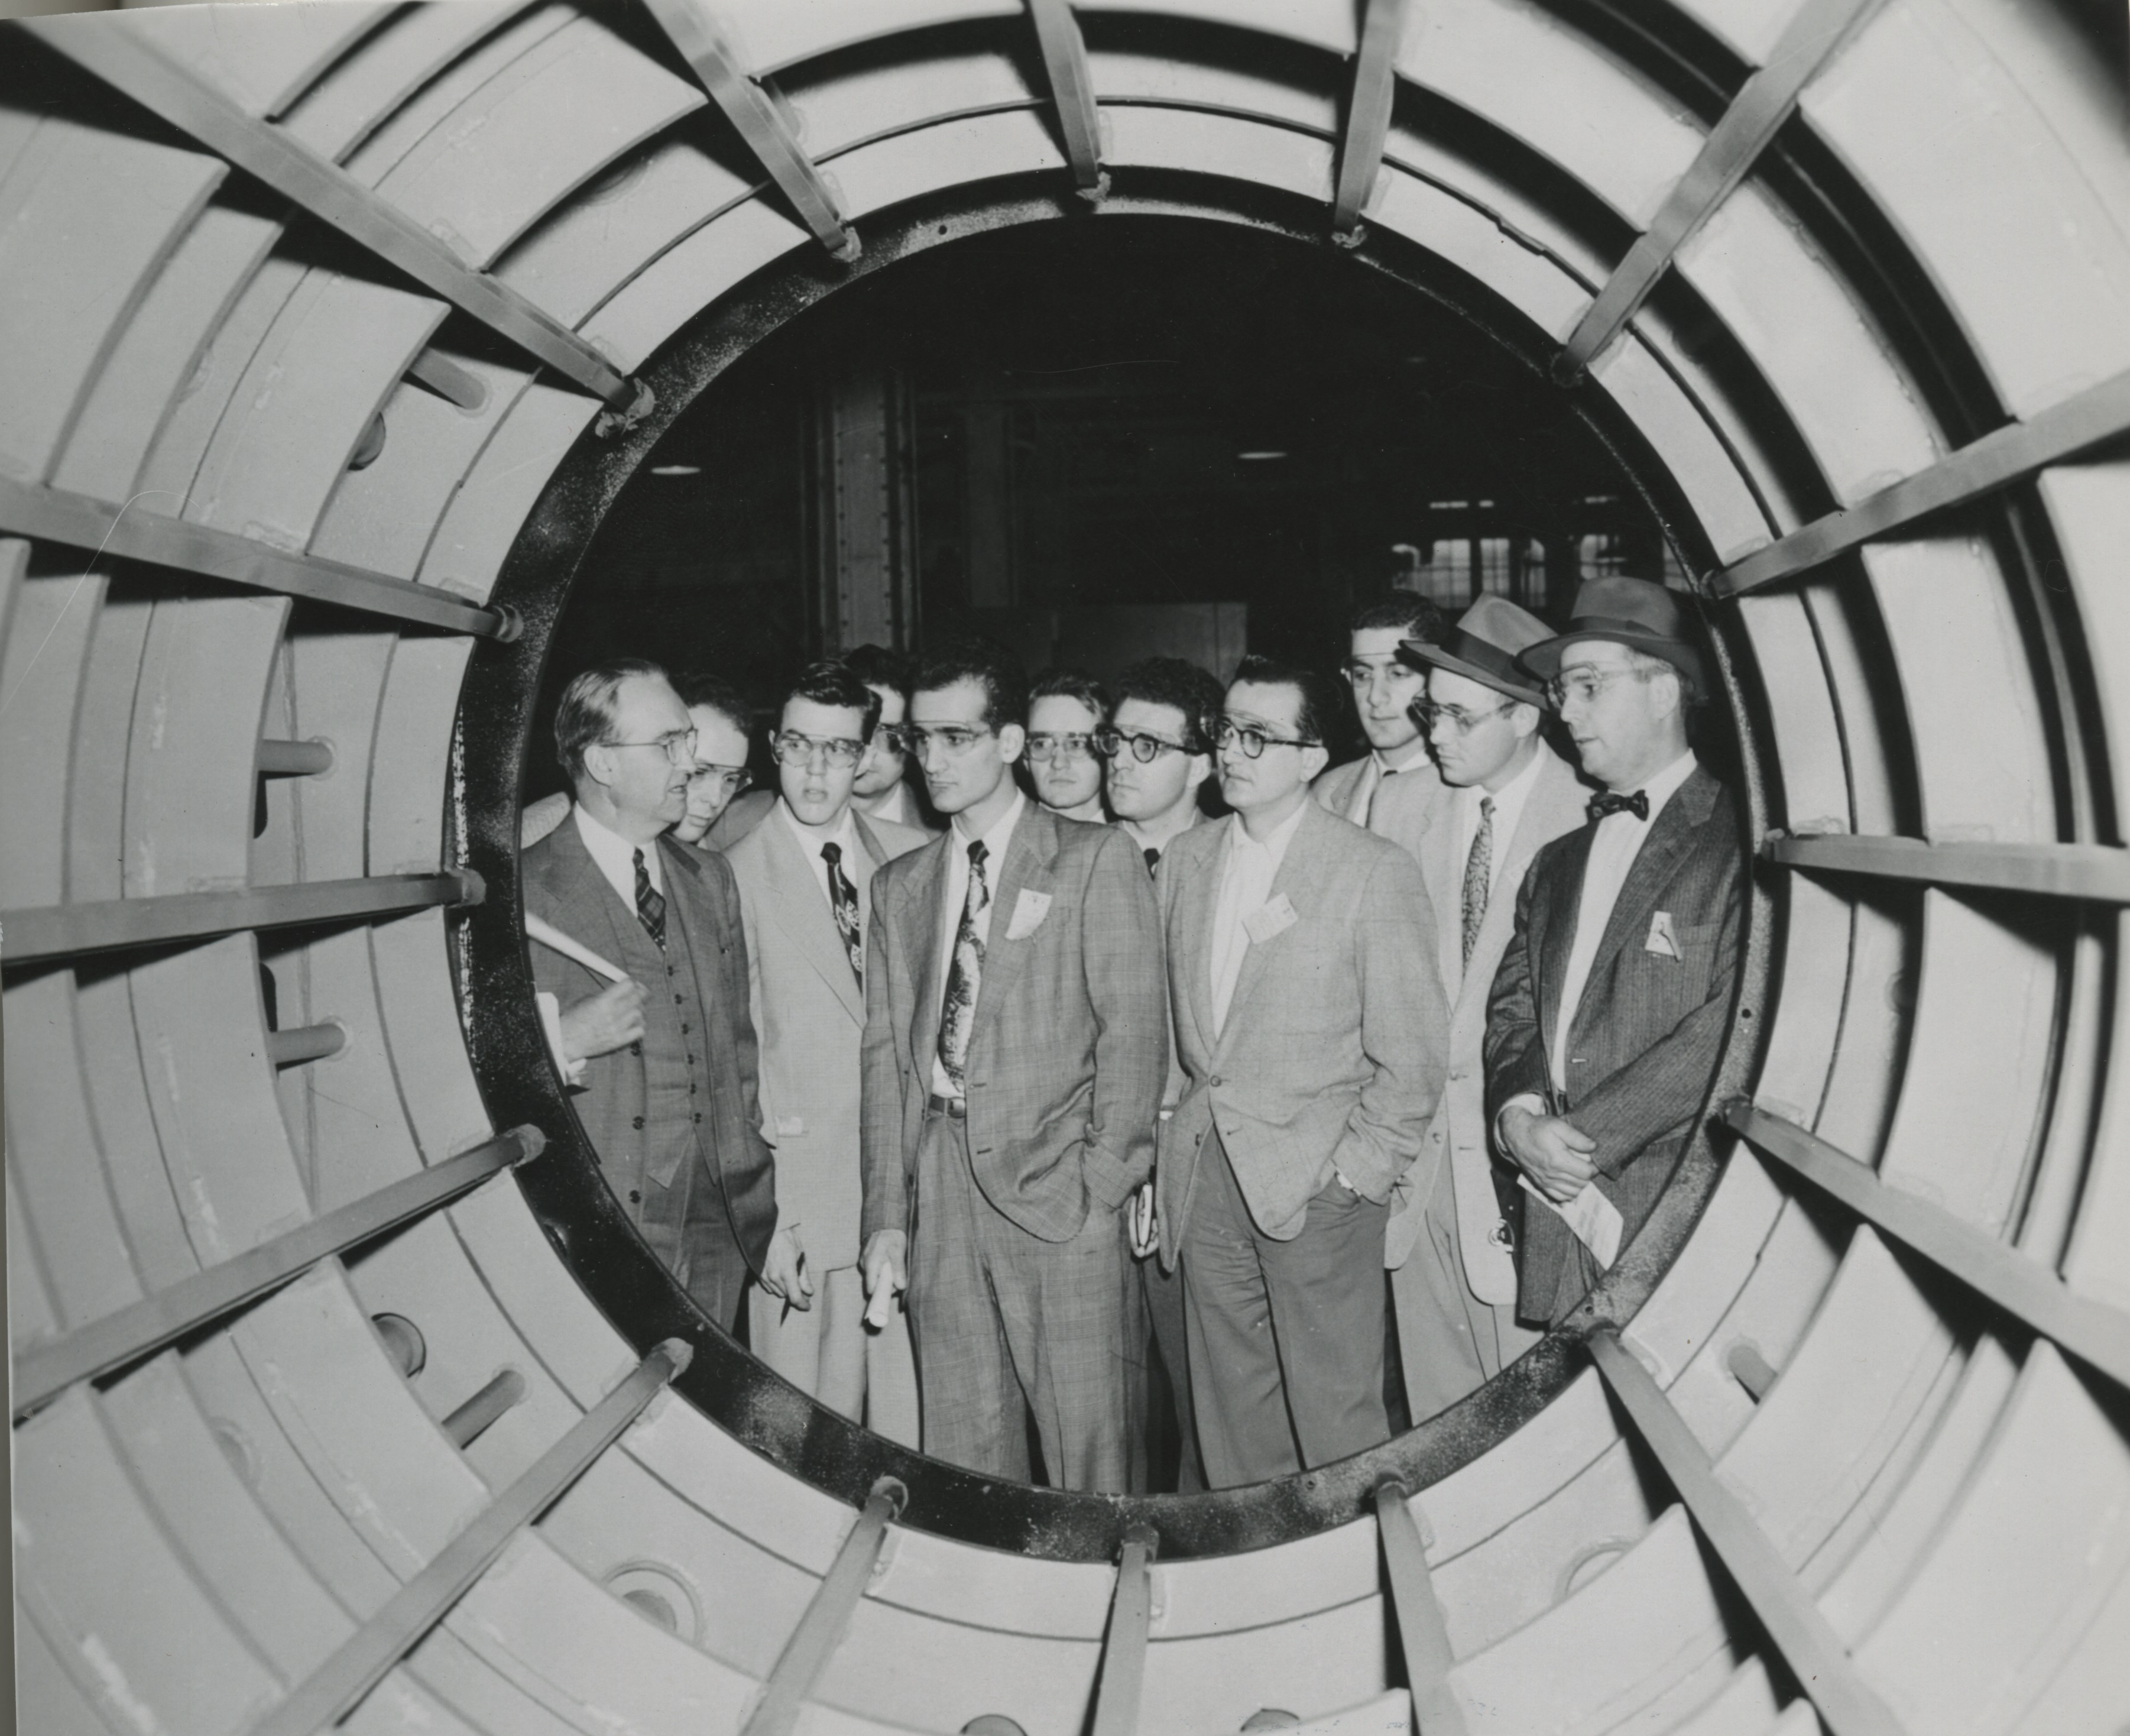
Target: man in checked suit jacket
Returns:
[1014, 1058]
[806, 880]
[1313, 1033]
[1609, 1011]
[665, 1057]
[1451, 1236]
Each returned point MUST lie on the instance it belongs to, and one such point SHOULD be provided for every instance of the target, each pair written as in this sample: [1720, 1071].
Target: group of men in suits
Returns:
[998, 1114]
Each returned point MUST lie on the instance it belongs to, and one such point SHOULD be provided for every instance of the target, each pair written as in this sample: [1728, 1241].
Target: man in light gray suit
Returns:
[1313, 1033]
[1451, 1239]
[1014, 1058]
[805, 883]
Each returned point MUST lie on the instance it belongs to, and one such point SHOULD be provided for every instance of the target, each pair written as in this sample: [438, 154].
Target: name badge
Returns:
[1268, 920]
[1029, 911]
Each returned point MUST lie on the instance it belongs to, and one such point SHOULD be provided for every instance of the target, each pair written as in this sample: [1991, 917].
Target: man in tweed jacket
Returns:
[1609, 1012]
[1314, 1037]
[1013, 1061]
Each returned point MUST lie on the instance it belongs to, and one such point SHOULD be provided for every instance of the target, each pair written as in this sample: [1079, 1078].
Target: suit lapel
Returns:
[1670, 837]
[1301, 878]
[796, 905]
[916, 916]
[1030, 853]
[1442, 871]
[1553, 920]
[594, 912]
[1192, 927]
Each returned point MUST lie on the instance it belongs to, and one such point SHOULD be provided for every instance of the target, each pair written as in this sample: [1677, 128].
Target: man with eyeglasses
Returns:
[806, 880]
[1392, 788]
[1451, 1233]
[1066, 711]
[1014, 1058]
[1610, 1009]
[883, 789]
[665, 1057]
[1311, 1030]
[717, 790]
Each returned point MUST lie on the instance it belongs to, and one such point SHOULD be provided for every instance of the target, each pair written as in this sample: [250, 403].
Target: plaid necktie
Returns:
[967, 975]
[650, 903]
[1478, 876]
[844, 898]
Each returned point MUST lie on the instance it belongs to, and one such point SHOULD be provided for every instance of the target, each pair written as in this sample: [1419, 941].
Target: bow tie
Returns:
[1607, 802]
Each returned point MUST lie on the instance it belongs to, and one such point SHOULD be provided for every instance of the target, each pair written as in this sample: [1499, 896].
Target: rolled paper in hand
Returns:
[879, 1306]
[548, 935]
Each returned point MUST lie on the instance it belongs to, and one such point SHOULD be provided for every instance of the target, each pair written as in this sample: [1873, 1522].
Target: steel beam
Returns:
[688, 24]
[45, 1370]
[1117, 1693]
[1423, 1635]
[63, 931]
[312, 758]
[1817, 1657]
[1367, 117]
[1764, 101]
[1072, 92]
[53, 515]
[2005, 455]
[339, 1684]
[128, 61]
[821, 1629]
[2095, 1333]
[2099, 872]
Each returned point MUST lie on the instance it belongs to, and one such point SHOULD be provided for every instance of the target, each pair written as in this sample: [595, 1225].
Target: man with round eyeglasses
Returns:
[1066, 711]
[805, 875]
[1159, 748]
[664, 1059]
[1451, 1239]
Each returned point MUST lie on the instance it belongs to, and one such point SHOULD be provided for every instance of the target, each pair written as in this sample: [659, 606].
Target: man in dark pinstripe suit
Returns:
[1609, 1011]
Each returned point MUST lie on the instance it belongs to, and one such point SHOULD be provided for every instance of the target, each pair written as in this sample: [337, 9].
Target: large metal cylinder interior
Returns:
[1933, 251]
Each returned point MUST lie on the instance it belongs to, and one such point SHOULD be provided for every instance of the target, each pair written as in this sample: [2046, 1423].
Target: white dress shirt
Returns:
[1509, 802]
[616, 856]
[1613, 853]
[1248, 869]
[1363, 801]
[845, 837]
[995, 843]
[898, 807]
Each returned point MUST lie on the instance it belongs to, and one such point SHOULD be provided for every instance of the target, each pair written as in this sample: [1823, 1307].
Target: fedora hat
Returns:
[1639, 613]
[1482, 647]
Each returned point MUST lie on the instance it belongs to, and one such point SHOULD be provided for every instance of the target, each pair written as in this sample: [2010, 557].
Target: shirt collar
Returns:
[1665, 784]
[1412, 763]
[1275, 842]
[1513, 793]
[809, 844]
[614, 855]
[995, 840]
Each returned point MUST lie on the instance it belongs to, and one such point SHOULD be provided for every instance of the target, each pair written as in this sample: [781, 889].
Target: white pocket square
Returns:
[790, 1126]
[1662, 941]
[1029, 911]
[1268, 920]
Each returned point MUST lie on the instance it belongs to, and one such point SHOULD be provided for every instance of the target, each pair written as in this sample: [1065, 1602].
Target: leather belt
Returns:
[958, 1108]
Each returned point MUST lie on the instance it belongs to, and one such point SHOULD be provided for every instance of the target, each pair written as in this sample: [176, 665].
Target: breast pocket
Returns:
[1673, 987]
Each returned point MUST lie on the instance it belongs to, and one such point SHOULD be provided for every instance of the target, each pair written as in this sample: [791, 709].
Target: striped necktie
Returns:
[843, 897]
[650, 903]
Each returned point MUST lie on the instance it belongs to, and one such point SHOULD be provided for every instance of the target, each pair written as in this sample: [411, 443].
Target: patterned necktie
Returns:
[844, 898]
[650, 903]
[1153, 860]
[1478, 876]
[959, 1014]
[1607, 802]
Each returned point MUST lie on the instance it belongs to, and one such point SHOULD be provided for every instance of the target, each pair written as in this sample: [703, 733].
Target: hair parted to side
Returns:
[1410, 614]
[715, 693]
[1171, 681]
[1071, 684]
[836, 684]
[993, 668]
[585, 714]
[1647, 663]
[878, 667]
[1315, 707]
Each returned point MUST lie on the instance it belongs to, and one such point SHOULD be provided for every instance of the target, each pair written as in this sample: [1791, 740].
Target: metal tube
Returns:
[312, 758]
[2095, 871]
[1118, 1695]
[472, 1419]
[302, 1044]
[1422, 1633]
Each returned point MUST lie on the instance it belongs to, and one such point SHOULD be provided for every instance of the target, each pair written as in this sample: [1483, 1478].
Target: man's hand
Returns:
[784, 1271]
[1145, 1228]
[1551, 1149]
[610, 1019]
[886, 1267]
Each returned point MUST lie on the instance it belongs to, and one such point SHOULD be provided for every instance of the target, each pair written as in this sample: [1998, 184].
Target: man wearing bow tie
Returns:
[1608, 1014]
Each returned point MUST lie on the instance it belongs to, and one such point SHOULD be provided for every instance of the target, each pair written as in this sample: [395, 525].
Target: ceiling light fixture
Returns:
[1259, 457]
[677, 470]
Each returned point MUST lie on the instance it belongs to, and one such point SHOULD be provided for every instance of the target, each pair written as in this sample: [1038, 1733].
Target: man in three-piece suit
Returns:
[1015, 1053]
[666, 1056]
[1311, 1031]
[805, 882]
[1609, 1011]
[1506, 793]
[1393, 788]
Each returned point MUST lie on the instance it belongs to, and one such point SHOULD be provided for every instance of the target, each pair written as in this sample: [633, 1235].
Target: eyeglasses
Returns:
[1111, 744]
[891, 738]
[734, 778]
[795, 748]
[679, 745]
[1044, 748]
[1427, 715]
[955, 738]
[1254, 741]
[1587, 684]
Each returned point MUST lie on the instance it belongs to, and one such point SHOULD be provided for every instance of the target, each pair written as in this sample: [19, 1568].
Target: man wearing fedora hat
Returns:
[1449, 1243]
[1608, 1013]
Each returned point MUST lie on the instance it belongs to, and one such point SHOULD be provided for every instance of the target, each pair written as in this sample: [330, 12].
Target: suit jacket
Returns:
[1335, 1042]
[563, 884]
[1460, 1134]
[1647, 1033]
[809, 1014]
[1068, 1048]
[1405, 804]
